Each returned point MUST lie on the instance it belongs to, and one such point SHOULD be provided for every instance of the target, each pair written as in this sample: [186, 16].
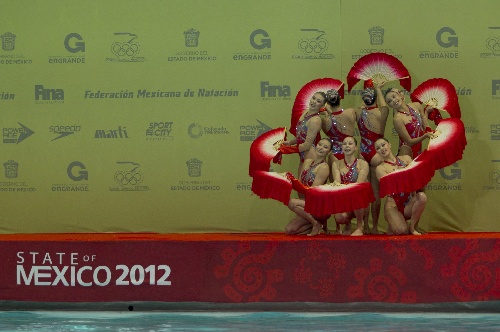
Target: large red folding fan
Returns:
[413, 177]
[439, 93]
[264, 148]
[272, 185]
[449, 143]
[329, 199]
[378, 67]
[305, 94]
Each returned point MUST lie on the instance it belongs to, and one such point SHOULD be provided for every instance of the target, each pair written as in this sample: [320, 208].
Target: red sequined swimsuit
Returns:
[336, 136]
[415, 129]
[368, 137]
[351, 176]
[301, 130]
[307, 176]
[401, 199]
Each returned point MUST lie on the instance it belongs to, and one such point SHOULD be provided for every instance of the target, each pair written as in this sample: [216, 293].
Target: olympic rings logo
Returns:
[495, 176]
[316, 45]
[124, 49]
[493, 43]
[128, 178]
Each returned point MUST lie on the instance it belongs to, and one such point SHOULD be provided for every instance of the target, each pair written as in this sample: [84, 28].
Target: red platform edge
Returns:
[249, 268]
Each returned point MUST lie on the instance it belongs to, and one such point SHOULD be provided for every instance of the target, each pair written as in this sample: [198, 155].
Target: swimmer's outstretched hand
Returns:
[435, 134]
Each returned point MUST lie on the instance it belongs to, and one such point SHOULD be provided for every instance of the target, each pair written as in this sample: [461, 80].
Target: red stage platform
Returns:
[249, 268]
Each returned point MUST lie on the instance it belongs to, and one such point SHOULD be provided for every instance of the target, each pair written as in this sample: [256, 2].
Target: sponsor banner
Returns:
[135, 114]
[235, 269]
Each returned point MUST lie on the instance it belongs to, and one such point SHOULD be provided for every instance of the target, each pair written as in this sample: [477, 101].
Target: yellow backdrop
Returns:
[138, 116]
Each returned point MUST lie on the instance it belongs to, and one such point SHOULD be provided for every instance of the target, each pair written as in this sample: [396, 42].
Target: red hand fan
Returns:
[378, 67]
[413, 177]
[329, 199]
[439, 93]
[307, 91]
[272, 185]
[449, 145]
[264, 148]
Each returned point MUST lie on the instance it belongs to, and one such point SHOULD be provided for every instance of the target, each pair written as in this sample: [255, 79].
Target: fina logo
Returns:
[82, 173]
[48, 94]
[261, 43]
[74, 47]
[267, 90]
[443, 37]
[455, 173]
[495, 87]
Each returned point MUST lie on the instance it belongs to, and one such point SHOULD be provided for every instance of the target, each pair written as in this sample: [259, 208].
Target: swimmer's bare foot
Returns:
[357, 232]
[414, 232]
[317, 229]
[421, 231]
[325, 227]
[347, 229]
[375, 230]
[338, 230]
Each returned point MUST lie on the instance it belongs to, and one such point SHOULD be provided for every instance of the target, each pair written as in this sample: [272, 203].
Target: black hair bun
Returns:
[332, 96]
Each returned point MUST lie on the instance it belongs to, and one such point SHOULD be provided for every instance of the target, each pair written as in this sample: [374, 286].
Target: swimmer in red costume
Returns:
[337, 123]
[346, 171]
[307, 129]
[399, 207]
[372, 118]
[315, 172]
[410, 122]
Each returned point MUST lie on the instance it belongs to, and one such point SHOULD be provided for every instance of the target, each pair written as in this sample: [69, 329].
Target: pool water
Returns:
[243, 321]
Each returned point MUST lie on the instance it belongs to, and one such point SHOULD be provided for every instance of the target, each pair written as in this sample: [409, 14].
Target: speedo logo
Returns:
[63, 131]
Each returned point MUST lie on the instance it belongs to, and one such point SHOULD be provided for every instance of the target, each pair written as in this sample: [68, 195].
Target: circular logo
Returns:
[493, 43]
[124, 49]
[128, 178]
[313, 45]
[195, 130]
[495, 176]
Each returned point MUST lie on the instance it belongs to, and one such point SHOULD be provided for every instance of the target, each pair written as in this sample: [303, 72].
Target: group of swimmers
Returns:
[339, 159]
